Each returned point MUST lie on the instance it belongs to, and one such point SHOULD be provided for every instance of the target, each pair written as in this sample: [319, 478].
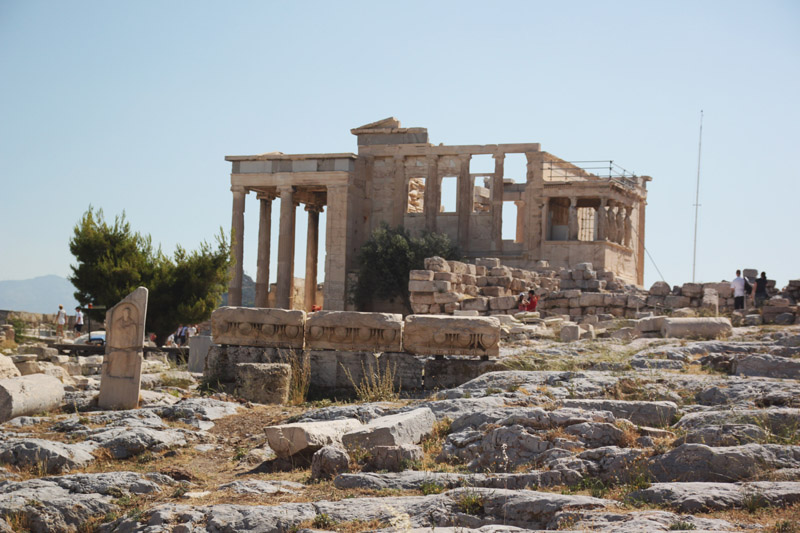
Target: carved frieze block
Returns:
[255, 326]
[451, 335]
[352, 331]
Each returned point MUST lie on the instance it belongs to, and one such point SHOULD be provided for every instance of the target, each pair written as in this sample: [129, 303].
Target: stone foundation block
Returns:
[222, 360]
[352, 331]
[421, 275]
[248, 326]
[429, 286]
[266, 383]
[446, 373]
[329, 369]
[435, 335]
[503, 302]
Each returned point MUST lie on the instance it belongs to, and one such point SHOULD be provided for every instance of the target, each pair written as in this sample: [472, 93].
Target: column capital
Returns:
[465, 157]
[238, 189]
[499, 157]
[313, 208]
[285, 189]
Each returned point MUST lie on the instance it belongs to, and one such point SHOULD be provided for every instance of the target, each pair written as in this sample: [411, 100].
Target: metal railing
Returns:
[564, 170]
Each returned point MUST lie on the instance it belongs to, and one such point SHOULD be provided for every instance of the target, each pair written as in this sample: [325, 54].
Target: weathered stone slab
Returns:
[266, 383]
[697, 328]
[198, 351]
[570, 332]
[289, 439]
[29, 395]
[352, 331]
[7, 368]
[122, 365]
[639, 412]
[703, 497]
[768, 366]
[252, 326]
[392, 430]
[446, 373]
[647, 325]
[440, 335]
[52, 457]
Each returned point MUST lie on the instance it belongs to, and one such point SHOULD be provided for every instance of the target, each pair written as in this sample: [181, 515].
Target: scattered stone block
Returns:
[394, 458]
[421, 275]
[392, 430]
[29, 395]
[767, 365]
[437, 264]
[198, 351]
[650, 324]
[249, 326]
[570, 332]
[328, 462]
[7, 368]
[697, 328]
[289, 439]
[266, 383]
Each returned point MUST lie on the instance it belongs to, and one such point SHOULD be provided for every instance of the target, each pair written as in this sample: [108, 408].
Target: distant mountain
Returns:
[37, 295]
[248, 292]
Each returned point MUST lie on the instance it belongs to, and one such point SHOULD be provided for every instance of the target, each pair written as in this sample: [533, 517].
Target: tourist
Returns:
[533, 301]
[78, 320]
[522, 303]
[739, 290]
[191, 331]
[61, 319]
[760, 294]
[177, 335]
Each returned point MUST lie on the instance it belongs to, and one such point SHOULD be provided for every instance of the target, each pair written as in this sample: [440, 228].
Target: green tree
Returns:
[112, 261]
[386, 259]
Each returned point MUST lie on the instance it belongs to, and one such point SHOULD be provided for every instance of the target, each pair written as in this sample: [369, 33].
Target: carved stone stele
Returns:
[122, 364]
[255, 326]
[451, 335]
[355, 332]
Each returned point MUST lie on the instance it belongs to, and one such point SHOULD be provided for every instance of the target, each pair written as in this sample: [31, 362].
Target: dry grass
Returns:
[377, 385]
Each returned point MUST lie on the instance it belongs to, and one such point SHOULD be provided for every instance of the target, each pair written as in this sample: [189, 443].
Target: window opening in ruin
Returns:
[510, 215]
[481, 164]
[558, 219]
[449, 189]
[587, 226]
[481, 194]
[515, 168]
[416, 195]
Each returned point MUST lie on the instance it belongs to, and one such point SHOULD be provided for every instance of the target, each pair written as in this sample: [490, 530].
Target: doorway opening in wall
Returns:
[587, 226]
[510, 218]
[416, 195]
[449, 190]
[481, 170]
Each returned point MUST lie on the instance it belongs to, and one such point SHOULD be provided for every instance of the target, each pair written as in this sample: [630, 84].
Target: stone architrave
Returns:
[451, 335]
[355, 332]
[248, 326]
[122, 364]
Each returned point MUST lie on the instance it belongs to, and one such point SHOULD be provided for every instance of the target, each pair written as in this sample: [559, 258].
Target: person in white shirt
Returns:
[739, 285]
[61, 319]
[78, 320]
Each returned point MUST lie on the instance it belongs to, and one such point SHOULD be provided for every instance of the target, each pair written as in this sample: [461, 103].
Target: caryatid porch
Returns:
[315, 181]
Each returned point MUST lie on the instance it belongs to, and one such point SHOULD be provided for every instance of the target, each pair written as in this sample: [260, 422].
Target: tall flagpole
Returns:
[697, 195]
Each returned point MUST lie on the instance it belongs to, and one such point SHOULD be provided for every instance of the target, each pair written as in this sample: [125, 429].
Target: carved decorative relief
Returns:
[347, 330]
[444, 335]
[245, 326]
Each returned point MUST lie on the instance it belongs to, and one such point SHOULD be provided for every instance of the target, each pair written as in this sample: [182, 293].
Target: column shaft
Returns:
[262, 270]
[431, 201]
[497, 202]
[312, 244]
[464, 201]
[237, 242]
[283, 290]
[573, 219]
[335, 289]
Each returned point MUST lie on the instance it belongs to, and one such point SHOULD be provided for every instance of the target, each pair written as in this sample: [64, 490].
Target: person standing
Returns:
[760, 295]
[61, 319]
[738, 286]
[78, 320]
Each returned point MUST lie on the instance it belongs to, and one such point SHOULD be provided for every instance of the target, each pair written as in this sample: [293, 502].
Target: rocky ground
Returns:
[593, 435]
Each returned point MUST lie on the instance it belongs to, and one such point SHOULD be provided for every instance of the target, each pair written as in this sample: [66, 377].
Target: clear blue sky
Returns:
[133, 106]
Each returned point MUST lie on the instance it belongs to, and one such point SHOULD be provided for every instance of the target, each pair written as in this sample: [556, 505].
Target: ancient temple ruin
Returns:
[565, 214]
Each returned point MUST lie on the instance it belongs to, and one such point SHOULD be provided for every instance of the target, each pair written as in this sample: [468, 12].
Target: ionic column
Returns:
[237, 243]
[573, 219]
[497, 202]
[312, 244]
[628, 226]
[611, 226]
[431, 200]
[464, 201]
[601, 220]
[283, 290]
[262, 270]
[620, 224]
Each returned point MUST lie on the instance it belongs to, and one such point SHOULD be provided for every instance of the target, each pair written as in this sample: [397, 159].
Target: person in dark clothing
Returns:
[761, 290]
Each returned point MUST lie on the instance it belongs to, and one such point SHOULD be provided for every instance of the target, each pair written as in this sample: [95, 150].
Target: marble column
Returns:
[312, 246]
[601, 220]
[262, 270]
[283, 290]
[464, 201]
[573, 219]
[497, 202]
[399, 207]
[519, 235]
[611, 226]
[237, 243]
[335, 288]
